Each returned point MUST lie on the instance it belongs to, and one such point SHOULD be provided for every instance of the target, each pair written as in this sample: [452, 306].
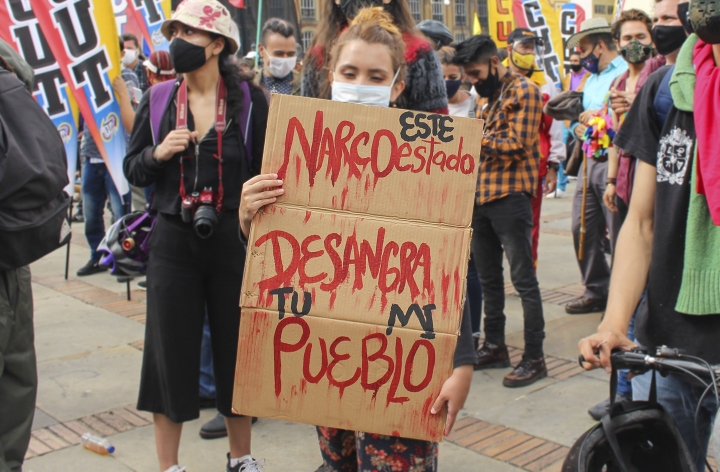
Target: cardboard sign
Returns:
[355, 278]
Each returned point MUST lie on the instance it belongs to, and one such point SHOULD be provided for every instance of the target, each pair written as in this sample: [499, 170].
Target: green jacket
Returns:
[700, 289]
[296, 82]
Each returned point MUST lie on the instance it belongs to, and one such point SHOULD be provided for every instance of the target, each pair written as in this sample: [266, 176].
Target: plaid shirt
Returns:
[510, 158]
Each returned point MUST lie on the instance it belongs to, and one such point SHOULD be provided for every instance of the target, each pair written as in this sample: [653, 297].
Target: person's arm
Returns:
[455, 389]
[612, 172]
[629, 274]
[512, 139]
[259, 127]
[127, 114]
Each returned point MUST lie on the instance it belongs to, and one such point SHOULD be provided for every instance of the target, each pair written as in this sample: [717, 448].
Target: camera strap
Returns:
[181, 119]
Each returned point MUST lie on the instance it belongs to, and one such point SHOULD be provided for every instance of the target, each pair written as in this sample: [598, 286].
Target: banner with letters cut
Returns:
[150, 15]
[83, 37]
[500, 21]
[572, 16]
[540, 17]
[355, 278]
[20, 29]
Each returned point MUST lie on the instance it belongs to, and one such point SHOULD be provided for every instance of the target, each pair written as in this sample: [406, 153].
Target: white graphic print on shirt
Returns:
[672, 162]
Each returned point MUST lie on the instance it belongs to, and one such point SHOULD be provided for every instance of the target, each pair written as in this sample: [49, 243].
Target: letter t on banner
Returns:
[150, 15]
[83, 37]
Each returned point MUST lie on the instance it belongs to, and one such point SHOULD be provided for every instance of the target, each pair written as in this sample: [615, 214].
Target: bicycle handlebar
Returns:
[664, 361]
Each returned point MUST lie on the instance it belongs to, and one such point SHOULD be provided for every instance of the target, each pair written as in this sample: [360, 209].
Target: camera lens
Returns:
[205, 221]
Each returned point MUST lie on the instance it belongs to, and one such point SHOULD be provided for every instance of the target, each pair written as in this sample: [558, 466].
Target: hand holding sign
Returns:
[257, 192]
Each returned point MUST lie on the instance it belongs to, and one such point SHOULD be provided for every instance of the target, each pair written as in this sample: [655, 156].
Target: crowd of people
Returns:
[634, 122]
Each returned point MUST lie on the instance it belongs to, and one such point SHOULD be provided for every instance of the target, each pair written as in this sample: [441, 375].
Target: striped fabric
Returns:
[510, 157]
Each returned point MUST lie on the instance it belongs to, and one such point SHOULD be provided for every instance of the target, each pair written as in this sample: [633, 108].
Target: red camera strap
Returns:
[181, 119]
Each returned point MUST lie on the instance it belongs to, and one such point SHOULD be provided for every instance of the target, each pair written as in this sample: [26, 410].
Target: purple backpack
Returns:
[162, 93]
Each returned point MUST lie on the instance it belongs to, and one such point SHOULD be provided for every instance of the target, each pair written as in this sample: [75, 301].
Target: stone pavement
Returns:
[89, 339]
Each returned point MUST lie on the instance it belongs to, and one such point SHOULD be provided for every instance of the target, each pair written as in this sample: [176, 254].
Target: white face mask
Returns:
[280, 67]
[129, 57]
[375, 95]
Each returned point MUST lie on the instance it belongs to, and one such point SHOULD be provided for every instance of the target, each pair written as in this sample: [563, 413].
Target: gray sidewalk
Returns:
[89, 342]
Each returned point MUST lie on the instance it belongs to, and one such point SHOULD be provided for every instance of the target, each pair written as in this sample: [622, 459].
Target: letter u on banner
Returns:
[540, 17]
[20, 29]
[500, 21]
[83, 37]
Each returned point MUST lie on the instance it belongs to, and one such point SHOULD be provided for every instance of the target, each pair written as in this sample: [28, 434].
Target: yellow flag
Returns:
[477, 29]
[500, 21]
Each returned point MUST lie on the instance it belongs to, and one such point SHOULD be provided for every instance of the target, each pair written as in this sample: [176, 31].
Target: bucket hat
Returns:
[591, 26]
[205, 15]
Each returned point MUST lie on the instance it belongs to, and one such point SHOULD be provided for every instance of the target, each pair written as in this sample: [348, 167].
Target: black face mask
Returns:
[350, 8]
[576, 67]
[683, 12]
[489, 86]
[668, 39]
[187, 57]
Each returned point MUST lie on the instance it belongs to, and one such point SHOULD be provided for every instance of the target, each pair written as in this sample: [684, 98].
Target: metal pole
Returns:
[67, 251]
[257, 36]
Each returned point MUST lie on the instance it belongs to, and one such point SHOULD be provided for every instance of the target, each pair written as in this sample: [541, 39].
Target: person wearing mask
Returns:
[194, 267]
[278, 50]
[462, 104]
[574, 80]
[632, 33]
[669, 243]
[424, 84]
[134, 59]
[523, 47]
[370, 53]
[159, 68]
[599, 56]
[502, 219]
[97, 183]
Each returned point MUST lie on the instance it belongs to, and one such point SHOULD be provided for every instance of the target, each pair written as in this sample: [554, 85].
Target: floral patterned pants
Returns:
[344, 451]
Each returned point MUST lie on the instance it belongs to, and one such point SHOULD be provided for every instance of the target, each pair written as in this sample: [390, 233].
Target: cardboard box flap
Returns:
[386, 162]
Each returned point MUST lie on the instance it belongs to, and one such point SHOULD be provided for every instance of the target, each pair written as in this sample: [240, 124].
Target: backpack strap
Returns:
[663, 98]
[246, 123]
[160, 95]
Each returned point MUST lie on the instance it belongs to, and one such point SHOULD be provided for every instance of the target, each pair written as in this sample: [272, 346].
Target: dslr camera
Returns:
[202, 210]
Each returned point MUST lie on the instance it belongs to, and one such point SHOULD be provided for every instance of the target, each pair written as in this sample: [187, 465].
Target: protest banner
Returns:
[500, 21]
[571, 17]
[20, 29]
[540, 17]
[83, 38]
[124, 22]
[149, 15]
[355, 278]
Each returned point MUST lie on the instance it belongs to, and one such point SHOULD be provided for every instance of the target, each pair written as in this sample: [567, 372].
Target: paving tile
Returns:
[49, 439]
[80, 428]
[556, 467]
[576, 370]
[99, 426]
[114, 421]
[38, 448]
[142, 414]
[42, 419]
[520, 450]
[535, 454]
[131, 418]
[562, 368]
[67, 435]
[541, 463]
[493, 440]
[76, 459]
[476, 426]
[454, 458]
[506, 445]
[480, 435]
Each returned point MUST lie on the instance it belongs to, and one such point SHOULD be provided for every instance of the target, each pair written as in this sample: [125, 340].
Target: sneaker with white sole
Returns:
[176, 468]
[246, 464]
[556, 194]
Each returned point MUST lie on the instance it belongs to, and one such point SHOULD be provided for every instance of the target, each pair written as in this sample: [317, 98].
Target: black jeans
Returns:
[506, 225]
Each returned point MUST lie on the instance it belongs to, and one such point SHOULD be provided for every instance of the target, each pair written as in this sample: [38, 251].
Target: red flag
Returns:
[238, 3]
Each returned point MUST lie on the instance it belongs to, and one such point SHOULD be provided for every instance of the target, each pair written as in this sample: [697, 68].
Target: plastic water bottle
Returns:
[97, 445]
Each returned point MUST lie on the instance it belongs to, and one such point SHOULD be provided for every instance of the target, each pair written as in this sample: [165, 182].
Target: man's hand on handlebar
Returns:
[596, 349]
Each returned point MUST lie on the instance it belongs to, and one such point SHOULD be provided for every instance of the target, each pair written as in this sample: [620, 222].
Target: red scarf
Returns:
[707, 126]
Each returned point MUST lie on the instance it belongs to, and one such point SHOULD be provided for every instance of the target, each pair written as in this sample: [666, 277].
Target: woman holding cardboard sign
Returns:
[197, 139]
[367, 65]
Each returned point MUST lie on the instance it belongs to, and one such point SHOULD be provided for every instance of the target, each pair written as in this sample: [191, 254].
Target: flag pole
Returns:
[257, 36]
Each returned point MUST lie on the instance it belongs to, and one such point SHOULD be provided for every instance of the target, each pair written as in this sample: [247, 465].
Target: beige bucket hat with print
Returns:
[206, 15]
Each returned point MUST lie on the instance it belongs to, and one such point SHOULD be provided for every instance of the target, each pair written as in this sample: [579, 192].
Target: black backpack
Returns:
[33, 174]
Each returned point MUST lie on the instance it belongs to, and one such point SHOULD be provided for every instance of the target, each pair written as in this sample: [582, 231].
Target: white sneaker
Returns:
[252, 465]
[556, 194]
[176, 468]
